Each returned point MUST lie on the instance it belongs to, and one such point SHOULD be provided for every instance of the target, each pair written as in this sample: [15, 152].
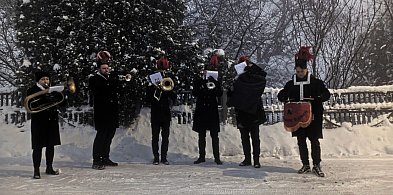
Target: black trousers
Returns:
[49, 155]
[102, 143]
[215, 143]
[245, 137]
[303, 150]
[156, 128]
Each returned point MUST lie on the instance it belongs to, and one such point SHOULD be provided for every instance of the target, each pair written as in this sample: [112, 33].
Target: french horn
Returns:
[45, 99]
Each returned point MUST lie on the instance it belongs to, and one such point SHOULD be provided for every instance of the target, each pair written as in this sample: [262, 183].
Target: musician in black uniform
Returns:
[206, 117]
[246, 98]
[305, 86]
[160, 101]
[44, 126]
[104, 88]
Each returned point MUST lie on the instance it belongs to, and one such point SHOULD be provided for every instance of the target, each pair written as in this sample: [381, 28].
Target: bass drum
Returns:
[296, 115]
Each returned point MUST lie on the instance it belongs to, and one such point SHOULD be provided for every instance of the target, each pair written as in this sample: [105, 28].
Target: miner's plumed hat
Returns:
[103, 57]
[303, 56]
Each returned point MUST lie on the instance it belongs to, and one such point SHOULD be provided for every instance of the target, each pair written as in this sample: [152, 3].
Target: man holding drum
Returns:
[304, 87]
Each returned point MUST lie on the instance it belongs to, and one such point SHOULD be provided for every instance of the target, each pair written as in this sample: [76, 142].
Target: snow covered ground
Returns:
[356, 160]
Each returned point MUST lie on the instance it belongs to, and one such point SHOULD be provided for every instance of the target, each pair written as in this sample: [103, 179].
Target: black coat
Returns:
[206, 110]
[246, 97]
[160, 109]
[316, 90]
[44, 124]
[105, 101]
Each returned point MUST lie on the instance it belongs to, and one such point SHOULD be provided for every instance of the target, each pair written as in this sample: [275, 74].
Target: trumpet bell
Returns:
[210, 85]
[126, 77]
[167, 84]
[71, 85]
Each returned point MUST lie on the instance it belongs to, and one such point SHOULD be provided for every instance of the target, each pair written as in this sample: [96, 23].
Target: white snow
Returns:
[26, 63]
[56, 67]
[356, 159]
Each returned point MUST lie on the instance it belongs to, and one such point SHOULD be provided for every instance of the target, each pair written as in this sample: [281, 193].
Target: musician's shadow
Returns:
[256, 173]
[140, 154]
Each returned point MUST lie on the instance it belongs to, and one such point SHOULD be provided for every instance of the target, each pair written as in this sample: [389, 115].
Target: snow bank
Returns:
[134, 144]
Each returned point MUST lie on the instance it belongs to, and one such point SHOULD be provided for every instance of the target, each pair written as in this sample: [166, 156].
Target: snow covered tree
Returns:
[248, 27]
[11, 56]
[63, 36]
[375, 65]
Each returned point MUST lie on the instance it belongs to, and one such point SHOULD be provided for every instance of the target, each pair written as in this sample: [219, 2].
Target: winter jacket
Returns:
[206, 111]
[45, 124]
[246, 97]
[317, 91]
[105, 101]
[160, 103]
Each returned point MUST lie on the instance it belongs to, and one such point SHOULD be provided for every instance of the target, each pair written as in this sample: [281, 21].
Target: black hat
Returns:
[38, 75]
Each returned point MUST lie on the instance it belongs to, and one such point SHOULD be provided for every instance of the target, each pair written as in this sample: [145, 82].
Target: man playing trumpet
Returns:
[104, 90]
[161, 97]
[207, 90]
[305, 86]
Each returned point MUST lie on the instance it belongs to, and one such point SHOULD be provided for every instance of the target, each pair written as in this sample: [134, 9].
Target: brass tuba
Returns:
[44, 99]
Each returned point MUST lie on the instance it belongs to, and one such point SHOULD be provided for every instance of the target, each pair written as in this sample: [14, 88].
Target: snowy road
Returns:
[355, 175]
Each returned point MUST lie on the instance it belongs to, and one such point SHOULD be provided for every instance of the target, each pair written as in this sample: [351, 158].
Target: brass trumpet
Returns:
[210, 85]
[126, 77]
[166, 84]
[43, 100]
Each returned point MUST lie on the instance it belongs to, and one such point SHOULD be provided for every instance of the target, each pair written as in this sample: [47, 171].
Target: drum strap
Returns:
[301, 83]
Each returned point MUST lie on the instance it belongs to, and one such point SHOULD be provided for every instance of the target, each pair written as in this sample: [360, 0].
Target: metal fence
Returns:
[364, 106]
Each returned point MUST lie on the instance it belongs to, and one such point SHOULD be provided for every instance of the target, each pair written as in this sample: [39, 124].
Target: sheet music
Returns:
[240, 68]
[155, 78]
[213, 74]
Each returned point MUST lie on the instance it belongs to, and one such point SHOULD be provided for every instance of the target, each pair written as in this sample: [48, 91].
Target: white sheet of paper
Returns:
[56, 88]
[240, 68]
[155, 78]
[213, 74]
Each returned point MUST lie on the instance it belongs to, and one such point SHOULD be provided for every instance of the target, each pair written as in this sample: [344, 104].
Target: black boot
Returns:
[50, 171]
[304, 169]
[109, 162]
[218, 161]
[36, 173]
[98, 164]
[318, 171]
[200, 160]
[164, 161]
[246, 161]
[156, 161]
[256, 162]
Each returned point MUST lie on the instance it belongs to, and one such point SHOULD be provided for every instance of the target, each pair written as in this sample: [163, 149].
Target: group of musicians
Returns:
[244, 96]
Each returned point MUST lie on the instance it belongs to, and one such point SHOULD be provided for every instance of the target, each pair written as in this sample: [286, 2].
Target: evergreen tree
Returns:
[63, 36]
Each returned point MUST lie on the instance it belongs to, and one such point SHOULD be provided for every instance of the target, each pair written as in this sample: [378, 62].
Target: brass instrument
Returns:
[166, 84]
[126, 77]
[44, 99]
[210, 85]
